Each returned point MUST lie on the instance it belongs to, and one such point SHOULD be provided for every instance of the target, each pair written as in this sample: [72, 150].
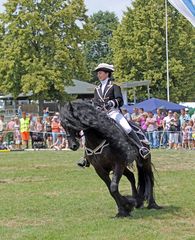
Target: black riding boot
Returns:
[83, 163]
[143, 151]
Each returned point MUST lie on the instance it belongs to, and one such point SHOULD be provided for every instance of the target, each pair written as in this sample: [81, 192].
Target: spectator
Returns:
[82, 139]
[38, 125]
[184, 116]
[32, 128]
[126, 114]
[45, 113]
[2, 124]
[25, 128]
[152, 129]
[166, 127]
[48, 131]
[159, 122]
[184, 136]
[187, 115]
[141, 111]
[189, 129]
[193, 134]
[19, 111]
[10, 125]
[9, 134]
[174, 131]
[135, 116]
[60, 143]
[193, 117]
[17, 135]
[143, 119]
[56, 127]
[3, 146]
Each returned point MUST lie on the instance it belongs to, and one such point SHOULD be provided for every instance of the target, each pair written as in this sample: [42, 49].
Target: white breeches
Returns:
[120, 119]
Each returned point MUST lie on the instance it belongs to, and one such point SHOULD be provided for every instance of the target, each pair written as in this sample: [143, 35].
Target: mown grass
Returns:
[44, 195]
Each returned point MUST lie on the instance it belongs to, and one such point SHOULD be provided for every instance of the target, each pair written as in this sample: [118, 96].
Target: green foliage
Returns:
[99, 49]
[139, 49]
[45, 196]
[41, 46]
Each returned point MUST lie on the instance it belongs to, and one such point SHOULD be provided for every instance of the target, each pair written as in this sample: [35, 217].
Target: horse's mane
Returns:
[82, 115]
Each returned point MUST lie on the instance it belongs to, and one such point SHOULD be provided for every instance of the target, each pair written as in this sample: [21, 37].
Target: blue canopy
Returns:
[153, 103]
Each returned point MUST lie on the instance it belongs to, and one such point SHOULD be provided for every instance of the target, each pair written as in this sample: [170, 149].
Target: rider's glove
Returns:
[110, 104]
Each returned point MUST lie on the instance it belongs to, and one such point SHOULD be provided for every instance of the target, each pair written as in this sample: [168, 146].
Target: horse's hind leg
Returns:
[146, 183]
[130, 176]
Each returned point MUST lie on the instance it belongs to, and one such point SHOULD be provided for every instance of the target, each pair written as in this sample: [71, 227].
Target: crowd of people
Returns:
[32, 131]
[166, 129]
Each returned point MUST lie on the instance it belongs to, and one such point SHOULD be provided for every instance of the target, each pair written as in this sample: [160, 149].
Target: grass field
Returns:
[44, 195]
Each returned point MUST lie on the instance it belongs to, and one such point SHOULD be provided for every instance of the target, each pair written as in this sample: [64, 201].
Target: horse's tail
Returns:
[146, 182]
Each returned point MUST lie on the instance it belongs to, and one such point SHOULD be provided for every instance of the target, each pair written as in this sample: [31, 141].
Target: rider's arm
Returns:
[118, 96]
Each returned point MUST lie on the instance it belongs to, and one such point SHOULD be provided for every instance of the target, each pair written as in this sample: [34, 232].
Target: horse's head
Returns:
[73, 138]
[70, 126]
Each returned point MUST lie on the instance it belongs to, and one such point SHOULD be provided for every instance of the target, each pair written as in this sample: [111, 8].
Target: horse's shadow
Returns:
[144, 213]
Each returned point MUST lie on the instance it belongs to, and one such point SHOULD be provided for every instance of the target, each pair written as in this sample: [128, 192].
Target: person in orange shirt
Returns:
[56, 127]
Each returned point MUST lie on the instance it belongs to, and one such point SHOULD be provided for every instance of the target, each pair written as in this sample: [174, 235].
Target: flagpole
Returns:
[167, 49]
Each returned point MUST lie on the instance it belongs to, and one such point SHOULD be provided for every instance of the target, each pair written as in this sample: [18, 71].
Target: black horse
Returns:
[108, 149]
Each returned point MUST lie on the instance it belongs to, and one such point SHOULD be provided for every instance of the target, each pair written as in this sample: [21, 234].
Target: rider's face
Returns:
[102, 75]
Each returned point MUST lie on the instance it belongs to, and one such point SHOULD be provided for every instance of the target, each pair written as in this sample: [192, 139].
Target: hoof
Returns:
[154, 206]
[139, 203]
[129, 204]
[122, 215]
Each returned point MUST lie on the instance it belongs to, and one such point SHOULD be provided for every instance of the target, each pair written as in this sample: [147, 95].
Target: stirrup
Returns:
[140, 152]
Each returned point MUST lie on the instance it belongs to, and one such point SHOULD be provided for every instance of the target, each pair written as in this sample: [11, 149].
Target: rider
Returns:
[108, 96]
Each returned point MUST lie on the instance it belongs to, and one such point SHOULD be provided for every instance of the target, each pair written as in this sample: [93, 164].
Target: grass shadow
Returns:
[161, 213]
[144, 213]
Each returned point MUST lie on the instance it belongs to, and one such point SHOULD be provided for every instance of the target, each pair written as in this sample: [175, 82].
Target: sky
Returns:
[117, 6]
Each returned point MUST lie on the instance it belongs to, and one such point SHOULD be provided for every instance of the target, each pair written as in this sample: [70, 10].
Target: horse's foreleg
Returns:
[124, 204]
[130, 176]
[111, 185]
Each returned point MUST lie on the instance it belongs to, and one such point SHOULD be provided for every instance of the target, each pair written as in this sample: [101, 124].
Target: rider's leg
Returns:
[144, 151]
[120, 119]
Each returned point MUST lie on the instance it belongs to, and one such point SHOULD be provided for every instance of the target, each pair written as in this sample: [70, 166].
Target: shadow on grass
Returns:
[161, 213]
[144, 213]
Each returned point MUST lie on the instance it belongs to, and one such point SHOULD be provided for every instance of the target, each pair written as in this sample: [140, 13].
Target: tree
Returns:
[99, 49]
[42, 46]
[139, 49]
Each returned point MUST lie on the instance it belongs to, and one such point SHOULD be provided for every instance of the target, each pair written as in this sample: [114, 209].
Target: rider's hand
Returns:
[110, 104]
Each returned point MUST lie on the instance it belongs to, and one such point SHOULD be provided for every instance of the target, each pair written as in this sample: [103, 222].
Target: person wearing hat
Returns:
[108, 97]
